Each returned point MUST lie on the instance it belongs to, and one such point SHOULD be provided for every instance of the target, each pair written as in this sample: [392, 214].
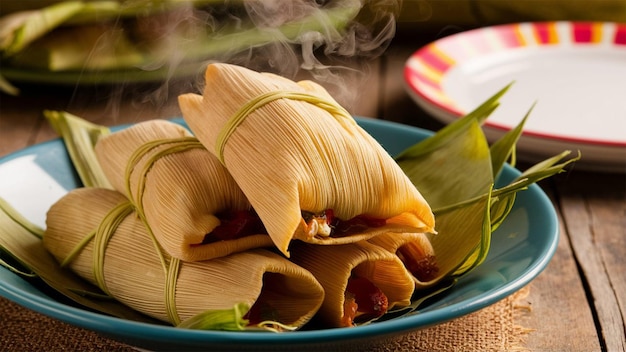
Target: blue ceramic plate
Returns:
[34, 178]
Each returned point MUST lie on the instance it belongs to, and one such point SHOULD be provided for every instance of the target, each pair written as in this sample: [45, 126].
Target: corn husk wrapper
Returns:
[417, 254]
[292, 148]
[22, 252]
[334, 265]
[125, 262]
[177, 187]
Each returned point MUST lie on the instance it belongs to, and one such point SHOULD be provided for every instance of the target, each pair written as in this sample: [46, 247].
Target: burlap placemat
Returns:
[490, 329]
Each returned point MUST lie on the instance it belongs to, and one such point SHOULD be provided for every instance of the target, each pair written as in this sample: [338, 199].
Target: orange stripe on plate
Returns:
[546, 33]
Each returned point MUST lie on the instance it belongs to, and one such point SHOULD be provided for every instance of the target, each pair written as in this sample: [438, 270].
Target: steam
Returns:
[261, 35]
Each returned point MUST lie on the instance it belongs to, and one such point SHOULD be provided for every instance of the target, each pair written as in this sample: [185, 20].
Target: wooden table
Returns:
[577, 304]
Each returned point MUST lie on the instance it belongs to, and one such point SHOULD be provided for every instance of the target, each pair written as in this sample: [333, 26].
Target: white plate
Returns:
[574, 73]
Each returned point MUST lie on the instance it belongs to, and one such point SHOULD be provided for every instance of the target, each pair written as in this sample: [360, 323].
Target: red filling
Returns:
[424, 269]
[364, 301]
[242, 223]
[342, 228]
[234, 225]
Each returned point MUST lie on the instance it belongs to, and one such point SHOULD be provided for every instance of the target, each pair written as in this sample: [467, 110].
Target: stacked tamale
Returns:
[276, 199]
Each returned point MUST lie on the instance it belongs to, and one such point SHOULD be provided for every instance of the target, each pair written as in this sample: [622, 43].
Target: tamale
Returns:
[179, 189]
[362, 281]
[95, 232]
[294, 150]
[416, 253]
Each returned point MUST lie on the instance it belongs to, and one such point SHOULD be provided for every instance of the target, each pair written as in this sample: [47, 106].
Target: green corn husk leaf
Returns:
[456, 170]
[504, 148]
[148, 62]
[7, 87]
[25, 24]
[20, 240]
[64, 50]
[226, 319]
[336, 18]
[19, 29]
[500, 208]
[478, 254]
[80, 137]
[451, 131]
[107, 10]
[230, 320]
[542, 170]
[460, 167]
[463, 238]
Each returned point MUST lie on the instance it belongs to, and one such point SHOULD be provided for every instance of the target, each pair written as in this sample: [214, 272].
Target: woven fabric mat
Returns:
[490, 329]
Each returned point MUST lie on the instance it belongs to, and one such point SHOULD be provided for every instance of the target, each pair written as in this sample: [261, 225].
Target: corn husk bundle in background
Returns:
[292, 148]
[95, 232]
[177, 187]
[388, 285]
[113, 41]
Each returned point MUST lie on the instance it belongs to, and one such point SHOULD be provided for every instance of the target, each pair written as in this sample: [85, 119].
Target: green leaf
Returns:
[10, 212]
[500, 208]
[478, 255]
[19, 29]
[107, 10]
[7, 87]
[455, 171]
[224, 319]
[542, 170]
[331, 21]
[80, 137]
[451, 131]
[63, 51]
[504, 148]
[92, 48]
[462, 238]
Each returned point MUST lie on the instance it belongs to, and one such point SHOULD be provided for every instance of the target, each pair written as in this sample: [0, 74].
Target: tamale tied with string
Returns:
[95, 232]
[301, 159]
[182, 192]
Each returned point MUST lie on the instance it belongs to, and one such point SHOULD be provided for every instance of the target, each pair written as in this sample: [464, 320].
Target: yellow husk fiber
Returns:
[176, 186]
[332, 266]
[128, 264]
[304, 153]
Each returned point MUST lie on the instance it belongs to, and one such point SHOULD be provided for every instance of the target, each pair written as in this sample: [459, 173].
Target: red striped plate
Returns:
[574, 73]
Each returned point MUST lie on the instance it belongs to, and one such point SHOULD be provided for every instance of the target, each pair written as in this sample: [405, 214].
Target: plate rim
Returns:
[106, 324]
